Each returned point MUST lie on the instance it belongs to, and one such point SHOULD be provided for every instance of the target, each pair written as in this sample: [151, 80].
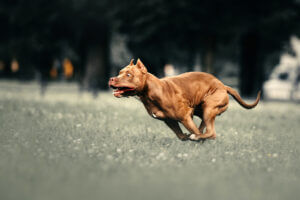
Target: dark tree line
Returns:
[158, 31]
[161, 31]
[35, 32]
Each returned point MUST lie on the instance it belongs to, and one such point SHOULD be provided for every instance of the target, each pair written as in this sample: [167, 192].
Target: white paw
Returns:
[193, 137]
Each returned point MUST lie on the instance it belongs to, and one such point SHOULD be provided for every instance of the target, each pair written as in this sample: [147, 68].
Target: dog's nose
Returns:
[111, 81]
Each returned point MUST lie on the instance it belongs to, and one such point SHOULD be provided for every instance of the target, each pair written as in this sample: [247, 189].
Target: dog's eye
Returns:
[128, 74]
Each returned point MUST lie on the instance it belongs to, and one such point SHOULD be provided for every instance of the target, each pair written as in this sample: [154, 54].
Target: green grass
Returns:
[70, 146]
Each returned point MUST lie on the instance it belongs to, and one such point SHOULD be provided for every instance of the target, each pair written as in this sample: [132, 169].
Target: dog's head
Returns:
[130, 81]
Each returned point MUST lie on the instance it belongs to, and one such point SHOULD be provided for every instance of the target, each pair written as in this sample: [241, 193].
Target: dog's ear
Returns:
[141, 66]
[131, 62]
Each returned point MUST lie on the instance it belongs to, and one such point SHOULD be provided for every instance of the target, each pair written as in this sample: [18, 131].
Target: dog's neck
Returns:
[151, 93]
[152, 90]
[152, 84]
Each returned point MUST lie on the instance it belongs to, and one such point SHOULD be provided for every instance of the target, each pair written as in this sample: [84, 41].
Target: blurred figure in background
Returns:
[68, 69]
[15, 67]
[169, 70]
[283, 83]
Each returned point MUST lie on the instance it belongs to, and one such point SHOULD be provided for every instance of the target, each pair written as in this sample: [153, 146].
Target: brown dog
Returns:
[179, 98]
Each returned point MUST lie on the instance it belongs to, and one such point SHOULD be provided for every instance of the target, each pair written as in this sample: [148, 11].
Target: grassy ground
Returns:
[67, 145]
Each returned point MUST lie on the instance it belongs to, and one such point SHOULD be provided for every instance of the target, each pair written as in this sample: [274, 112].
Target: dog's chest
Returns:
[153, 110]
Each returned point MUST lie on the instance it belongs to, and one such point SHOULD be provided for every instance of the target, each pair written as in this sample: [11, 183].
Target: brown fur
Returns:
[179, 98]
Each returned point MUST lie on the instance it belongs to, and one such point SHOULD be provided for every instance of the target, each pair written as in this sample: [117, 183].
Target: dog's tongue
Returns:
[117, 93]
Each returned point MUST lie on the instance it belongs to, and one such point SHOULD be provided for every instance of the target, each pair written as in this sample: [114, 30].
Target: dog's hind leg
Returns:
[209, 120]
[214, 105]
[202, 126]
[211, 129]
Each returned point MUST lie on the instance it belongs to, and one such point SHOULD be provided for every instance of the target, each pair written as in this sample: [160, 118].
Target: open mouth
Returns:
[122, 91]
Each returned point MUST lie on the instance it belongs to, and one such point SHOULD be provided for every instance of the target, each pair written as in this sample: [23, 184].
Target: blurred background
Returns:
[250, 45]
[58, 141]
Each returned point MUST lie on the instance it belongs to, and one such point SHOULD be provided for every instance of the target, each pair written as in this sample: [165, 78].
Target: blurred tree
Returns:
[263, 29]
[162, 30]
[35, 32]
[159, 31]
[27, 34]
[93, 30]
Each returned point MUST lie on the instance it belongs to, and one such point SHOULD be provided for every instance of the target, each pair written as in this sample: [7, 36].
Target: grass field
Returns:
[67, 145]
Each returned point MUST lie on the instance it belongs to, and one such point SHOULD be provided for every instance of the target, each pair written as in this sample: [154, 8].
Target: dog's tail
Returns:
[238, 98]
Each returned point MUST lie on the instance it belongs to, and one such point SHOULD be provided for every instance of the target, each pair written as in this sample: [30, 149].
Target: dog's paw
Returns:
[195, 137]
[184, 137]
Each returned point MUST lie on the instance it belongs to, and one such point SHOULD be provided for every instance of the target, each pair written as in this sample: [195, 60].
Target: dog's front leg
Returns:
[172, 124]
[191, 126]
